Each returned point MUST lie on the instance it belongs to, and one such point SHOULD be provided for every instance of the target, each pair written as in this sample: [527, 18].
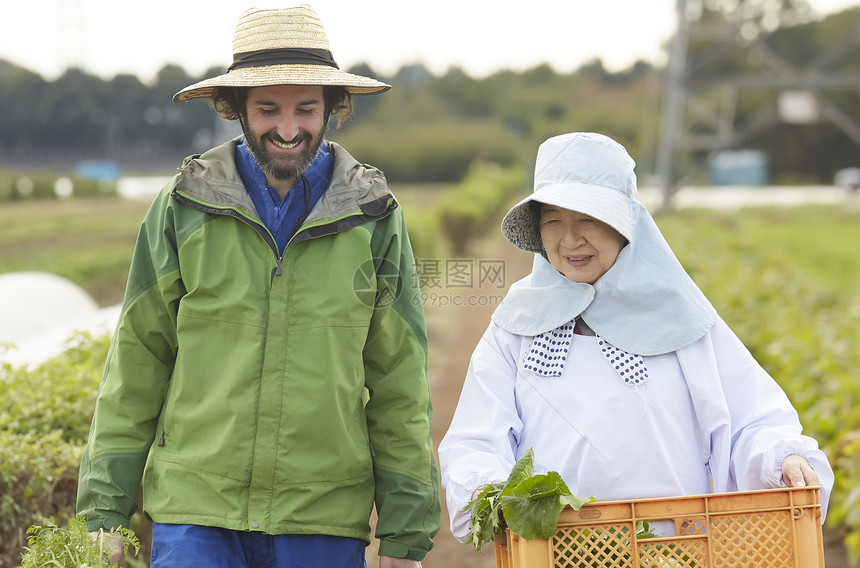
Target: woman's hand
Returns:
[796, 472]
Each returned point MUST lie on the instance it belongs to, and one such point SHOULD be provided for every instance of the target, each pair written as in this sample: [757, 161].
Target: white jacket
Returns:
[708, 415]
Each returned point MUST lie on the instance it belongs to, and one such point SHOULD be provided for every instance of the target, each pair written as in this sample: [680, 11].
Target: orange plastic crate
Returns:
[774, 528]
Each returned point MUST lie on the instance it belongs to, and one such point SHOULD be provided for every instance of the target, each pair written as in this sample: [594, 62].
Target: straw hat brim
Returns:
[291, 74]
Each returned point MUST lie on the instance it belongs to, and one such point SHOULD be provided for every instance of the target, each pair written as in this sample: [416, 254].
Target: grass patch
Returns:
[819, 241]
[88, 241]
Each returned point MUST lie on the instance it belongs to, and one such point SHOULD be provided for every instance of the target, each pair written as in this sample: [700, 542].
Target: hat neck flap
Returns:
[542, 301]
[645, 304]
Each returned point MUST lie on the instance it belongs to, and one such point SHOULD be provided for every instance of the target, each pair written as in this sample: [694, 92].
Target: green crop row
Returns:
[48, 185]
[464, 211]
[771, 280]
[45, 414]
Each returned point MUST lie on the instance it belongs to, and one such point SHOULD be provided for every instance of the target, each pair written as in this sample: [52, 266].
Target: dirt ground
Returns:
[454, 332]
[458, 313]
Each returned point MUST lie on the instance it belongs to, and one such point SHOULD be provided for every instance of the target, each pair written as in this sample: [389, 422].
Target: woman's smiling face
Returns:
[580, 247]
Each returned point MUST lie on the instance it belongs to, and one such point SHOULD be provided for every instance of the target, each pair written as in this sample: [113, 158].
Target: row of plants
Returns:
[464, 211]
[45, 413]
[797, 318]
[44, 418]
[17, 186]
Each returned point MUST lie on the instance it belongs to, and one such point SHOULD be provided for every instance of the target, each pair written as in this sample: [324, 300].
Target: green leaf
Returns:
[531, 503]
[643, 530]
[486, 520]
[544, 485]
[533, 508]
[575, 502]
[523, 469]
[486, 507]
[532, 517]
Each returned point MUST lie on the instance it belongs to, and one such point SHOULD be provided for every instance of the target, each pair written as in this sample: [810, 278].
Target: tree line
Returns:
[429, 128]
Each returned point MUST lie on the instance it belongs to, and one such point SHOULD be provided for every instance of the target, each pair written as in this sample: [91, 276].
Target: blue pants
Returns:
[193, 546]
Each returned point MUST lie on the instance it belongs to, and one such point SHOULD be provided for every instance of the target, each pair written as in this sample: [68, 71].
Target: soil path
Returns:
[454, 331]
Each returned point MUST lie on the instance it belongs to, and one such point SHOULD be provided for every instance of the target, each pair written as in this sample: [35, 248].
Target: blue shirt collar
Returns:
[280, 216]
[253, 176]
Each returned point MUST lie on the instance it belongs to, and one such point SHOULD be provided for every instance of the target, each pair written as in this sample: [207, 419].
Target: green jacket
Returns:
[257, 393]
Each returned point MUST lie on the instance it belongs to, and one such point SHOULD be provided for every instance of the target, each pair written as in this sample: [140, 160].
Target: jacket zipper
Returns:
[231, 212]
[303, 234]
[235, 213]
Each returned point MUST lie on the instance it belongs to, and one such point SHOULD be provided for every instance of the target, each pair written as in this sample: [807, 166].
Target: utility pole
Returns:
[673, 104]
[698, 111]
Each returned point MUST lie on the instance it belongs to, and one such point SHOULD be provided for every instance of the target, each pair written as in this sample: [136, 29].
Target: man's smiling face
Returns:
[284, 129]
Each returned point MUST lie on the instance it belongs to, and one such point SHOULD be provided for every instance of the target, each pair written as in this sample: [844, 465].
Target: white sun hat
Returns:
[646, 303]
[581, 171]
[282, 47]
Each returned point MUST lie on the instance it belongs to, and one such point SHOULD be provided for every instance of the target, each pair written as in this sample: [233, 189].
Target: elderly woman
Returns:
[610, 363]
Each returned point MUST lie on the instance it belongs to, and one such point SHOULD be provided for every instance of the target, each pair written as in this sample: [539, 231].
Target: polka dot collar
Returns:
[549, 351]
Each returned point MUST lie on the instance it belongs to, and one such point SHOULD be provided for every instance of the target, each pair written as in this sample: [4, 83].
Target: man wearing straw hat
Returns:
[267, 382]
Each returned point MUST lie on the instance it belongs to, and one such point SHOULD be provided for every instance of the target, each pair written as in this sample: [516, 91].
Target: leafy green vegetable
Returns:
[531, 504]
[643, 530]
[485, 509]
[51, 545]
[533, 508]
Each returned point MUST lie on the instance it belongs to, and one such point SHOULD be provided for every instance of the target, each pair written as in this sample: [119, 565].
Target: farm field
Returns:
[784, 280]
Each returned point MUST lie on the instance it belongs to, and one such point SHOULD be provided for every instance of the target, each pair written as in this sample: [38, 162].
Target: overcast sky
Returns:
[107, 37]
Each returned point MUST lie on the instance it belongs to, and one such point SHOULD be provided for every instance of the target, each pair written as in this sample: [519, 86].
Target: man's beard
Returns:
[277, 167]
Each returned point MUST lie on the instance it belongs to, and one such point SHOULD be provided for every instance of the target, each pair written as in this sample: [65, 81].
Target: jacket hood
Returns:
[213, 178]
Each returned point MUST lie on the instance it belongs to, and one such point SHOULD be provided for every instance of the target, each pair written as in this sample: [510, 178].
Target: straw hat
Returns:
[581, 171]
[282, 47]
